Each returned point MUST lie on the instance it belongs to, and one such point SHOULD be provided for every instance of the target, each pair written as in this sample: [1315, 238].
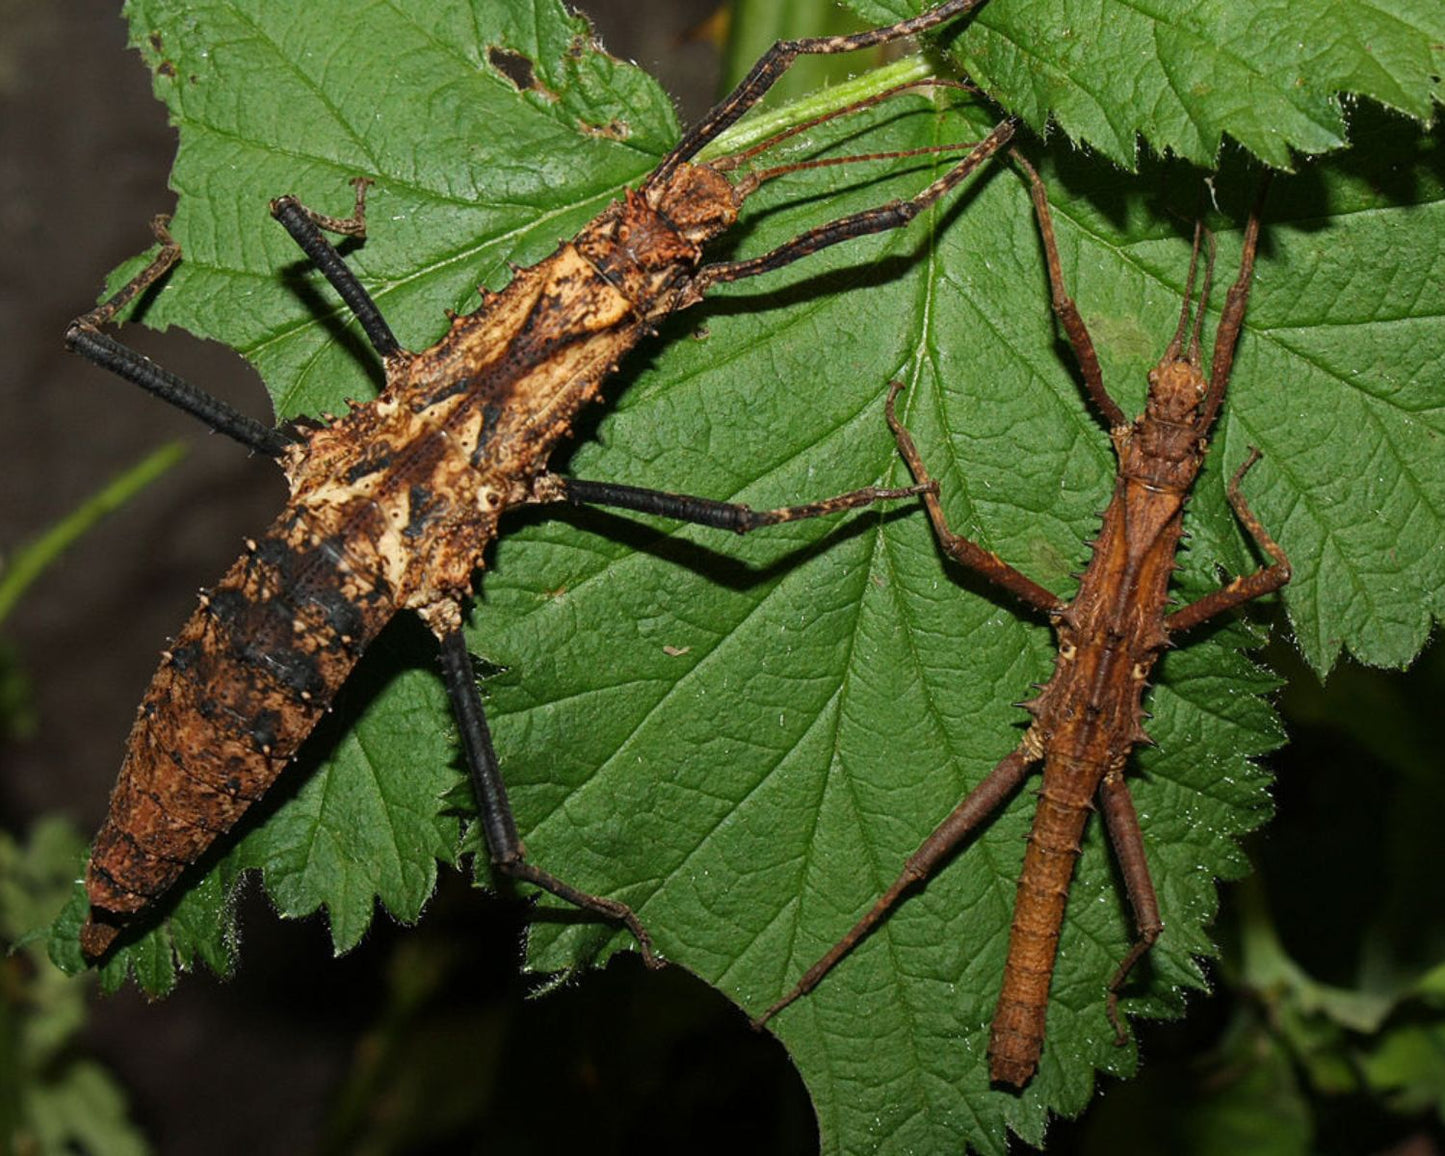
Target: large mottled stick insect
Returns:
[1088, 716]
[393, 505]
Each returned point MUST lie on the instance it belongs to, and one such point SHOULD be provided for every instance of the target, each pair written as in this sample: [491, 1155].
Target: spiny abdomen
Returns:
[237, 693]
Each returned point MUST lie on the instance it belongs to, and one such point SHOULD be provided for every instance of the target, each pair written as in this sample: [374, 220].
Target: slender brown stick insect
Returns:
[393, 505]
[1088, 716]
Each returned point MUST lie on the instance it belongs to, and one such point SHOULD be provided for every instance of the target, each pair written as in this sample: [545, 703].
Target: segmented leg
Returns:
[861, 224]
[967, 554]
[504, 844]
[1122, 823]
[499, 828]
[84, 337]
[980, 802]
[707, 511]
[305, 227]
[1248, 587]
[1064, 307]
[777, 60]
[160, 265]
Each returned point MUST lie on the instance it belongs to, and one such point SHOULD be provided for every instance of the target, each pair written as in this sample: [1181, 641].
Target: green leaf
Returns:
[1270, 75]
[744, 738]
[366, 830]
[82, 1110]
[1408, 1067]
[53, 1099]
[459, 198]
[1243, 1095]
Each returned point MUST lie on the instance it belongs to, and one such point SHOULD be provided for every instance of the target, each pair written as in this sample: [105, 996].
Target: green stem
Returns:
[31, 559]
[753, 130]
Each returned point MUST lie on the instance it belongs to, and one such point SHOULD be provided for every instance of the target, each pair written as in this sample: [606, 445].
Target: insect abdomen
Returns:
[1017, 1036]
[242, 686]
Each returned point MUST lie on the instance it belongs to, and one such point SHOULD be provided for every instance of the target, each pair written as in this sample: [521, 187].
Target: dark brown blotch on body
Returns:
[385, 513]
[460, 432]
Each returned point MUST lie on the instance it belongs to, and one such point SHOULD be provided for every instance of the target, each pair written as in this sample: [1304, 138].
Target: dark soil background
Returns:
[422, 1040]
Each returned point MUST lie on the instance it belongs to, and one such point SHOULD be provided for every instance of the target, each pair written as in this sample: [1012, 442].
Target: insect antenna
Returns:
[733, 160]
[863, 223]
[749, 184]
[1177, 342]
[1203, 291]
[776, 61]
[860, 224]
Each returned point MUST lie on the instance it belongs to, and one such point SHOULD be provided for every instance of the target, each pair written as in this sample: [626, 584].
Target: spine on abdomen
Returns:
[237, 693]
[1017, 1036]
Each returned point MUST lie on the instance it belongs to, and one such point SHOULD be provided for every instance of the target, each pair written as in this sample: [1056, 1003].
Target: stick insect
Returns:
[1088, 716]
[393, 504]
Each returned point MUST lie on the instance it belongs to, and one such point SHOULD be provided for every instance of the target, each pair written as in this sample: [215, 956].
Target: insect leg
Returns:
[500, 829]
[1248, 587]
[967, 554]
[84, 337]
[1123, 827]
[976, 806]
[777, 60]
[1064, 307]
[305, 227]
[706, 511]
[861, 224]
